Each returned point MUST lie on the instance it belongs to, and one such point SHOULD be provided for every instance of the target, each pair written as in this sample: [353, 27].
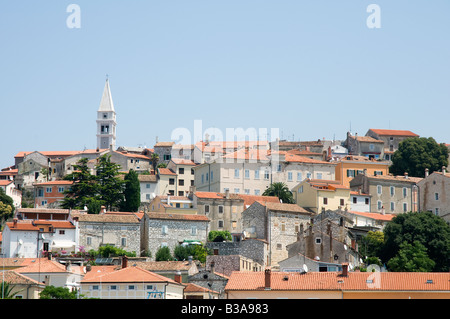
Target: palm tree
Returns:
[155, 160]
[280, 190]
[6, 290]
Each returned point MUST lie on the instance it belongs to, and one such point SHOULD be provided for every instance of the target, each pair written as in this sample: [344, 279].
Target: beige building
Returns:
[318, 195]
[433, 190]
[390, 194]
[185, 175]
[251, 172]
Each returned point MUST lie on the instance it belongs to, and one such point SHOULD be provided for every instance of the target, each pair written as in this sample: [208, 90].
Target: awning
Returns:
[63, 244]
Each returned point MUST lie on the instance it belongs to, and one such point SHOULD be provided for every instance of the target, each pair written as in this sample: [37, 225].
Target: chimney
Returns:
[15, 222]
[267, 279]
[406, 175]
[426, 172]
[178, 277]
[189, 260]
[49, 255]
[443, 170]
[68, 266]
[227, 193]
[211, 267]
[345, 269]
[103, 210]
[124, 262]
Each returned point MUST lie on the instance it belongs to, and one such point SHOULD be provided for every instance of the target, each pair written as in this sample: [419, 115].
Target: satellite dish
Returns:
[345, 247]
[305, 268]
[373, 268]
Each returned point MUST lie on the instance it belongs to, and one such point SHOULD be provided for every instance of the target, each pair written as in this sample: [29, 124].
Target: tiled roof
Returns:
[33, 225]
[394, 132]
[292, 208]
[181, 161]
[214, 195]
[166, 171]
[45, 210]
[163, 265]
[252, 154]
[147, 178]
[5, 182]
[190, 287]
[60, 182]
[164, 144]
[15, 278]
[382, 281]
[250, 199]
[186, 217]
[376, 216]
[292, 158]
[396, 178]
[107, 218]
[127, 275]
[44, 265]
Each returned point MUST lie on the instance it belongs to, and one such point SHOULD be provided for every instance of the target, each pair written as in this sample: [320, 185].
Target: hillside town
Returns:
[233, 219]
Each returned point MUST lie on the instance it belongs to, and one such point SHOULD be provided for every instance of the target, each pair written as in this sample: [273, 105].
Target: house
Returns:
[374, 221]
[161, 230]
[432, 194]
[209, 151]
[350, 166]
[29, 238]
[129, 282]
[183, 151]
[364, 146]
[185, 174]
[149, 187]
[390, 138]
[226, 264]
[9, 188]
[252, 172]
[318, 195]
[193, 291]
[167, 181]
[301, 263]
[359, 201]
[170, 269]
[121, 230]
[337, 285]
[390, 194]
[172, 204]
[210, 278]
[23, 287]
[276, 223]
[52, 273]
[50, 194]
[164, 151]
[224, 210]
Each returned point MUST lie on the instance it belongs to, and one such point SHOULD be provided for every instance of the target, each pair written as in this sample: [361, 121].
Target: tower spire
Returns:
[106, 120]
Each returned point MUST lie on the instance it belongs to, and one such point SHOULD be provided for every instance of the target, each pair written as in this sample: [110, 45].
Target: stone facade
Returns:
[433, 190]
[94, 231]
[276, 223]
[162, 229]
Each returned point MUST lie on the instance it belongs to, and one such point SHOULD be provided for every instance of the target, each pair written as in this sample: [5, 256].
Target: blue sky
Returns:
[309, 68]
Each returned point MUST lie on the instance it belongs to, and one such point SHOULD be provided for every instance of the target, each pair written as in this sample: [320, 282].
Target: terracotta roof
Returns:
[4, 182]
[186, 217]
[292, 158]
[252, 154]
[44, 265]
[163, 265]
[45, 210]
[250, 199]
[147, 178]
[166, 171]
[394, 132]
[214, 195]
[181, 161]
[367, 139]
[383, 281]
[16, 278]
[128, 274]
[164, 144]
[60, 153]
[292, 208]
[33, 225]
[190, 287]
[107, 218]
[396, 178]
[376, 216]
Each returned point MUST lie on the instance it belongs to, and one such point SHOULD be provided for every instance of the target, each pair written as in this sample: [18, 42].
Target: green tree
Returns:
[94, 206]
[52, 292]
[423, 227]
[163, 254]
[219, 235]
[6, 206]
[371, 244]
[281, 190]
[84, 186]
[411, 258]
[155, 160]
[416, 154]
[132, 193]
[110, 186]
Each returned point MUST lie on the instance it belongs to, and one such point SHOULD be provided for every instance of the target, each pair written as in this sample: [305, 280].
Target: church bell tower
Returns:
[106, 121]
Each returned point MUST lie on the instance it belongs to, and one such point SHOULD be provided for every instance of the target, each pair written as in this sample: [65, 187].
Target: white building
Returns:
[106, 121]
[29, 238]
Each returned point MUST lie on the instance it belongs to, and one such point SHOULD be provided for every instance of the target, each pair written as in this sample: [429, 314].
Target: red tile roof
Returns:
[382, 281]
[60, 182]
[187, 217]
[166, 171]
[377, 216]
[394, 132]
[33, 225]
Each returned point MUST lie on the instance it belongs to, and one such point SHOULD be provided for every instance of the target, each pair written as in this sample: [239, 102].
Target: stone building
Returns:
[119, 230]
[276, 223]
[162, 229]
[433, 190]
[364, 146]
[390, 138]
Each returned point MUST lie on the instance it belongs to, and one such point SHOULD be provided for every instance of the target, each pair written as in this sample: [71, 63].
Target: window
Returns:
[237, 190]
[308, 175]
[318, 240]
[342, 202]
[60, 189]
[123, 241]
[379, 189]
[325, 201]
[113, 287]
[279, 168]
[379, 205]
[181, 182]
[405, 192]
[48, 189]
[95, 287]
[181, 170]
[147, 196]
[220, 223]
[392, 206]
[194, 230]
[299, 177]
[350, 173]
[372, 147]
[62, 232]
[149, 287]
[221, 209]
[131, 287]
[247, 174]
[436, 196]
[40, 192]
[300, 189]
[207, 176]
[171, 181]
[279, 247]
[355, 200]
[211, 176]
[405, 207]
[366, 201]
[164, 230]
[256, 174]
[319, 175]
[247, 191]
[392, 189]
[89, 240]
[192, 171]
[257, 192]
[290, 176]
[147, 185]
[266, 175]
[206, 209]
[203, 178]
[236, 173]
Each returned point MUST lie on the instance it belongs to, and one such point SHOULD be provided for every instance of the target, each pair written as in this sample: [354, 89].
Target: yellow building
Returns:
[350, 166]
[318, 195]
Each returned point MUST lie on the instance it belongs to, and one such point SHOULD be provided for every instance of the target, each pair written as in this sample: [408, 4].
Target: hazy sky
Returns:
[311, 68]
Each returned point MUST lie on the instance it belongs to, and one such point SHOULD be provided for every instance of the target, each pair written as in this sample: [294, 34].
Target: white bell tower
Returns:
[106, 121]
